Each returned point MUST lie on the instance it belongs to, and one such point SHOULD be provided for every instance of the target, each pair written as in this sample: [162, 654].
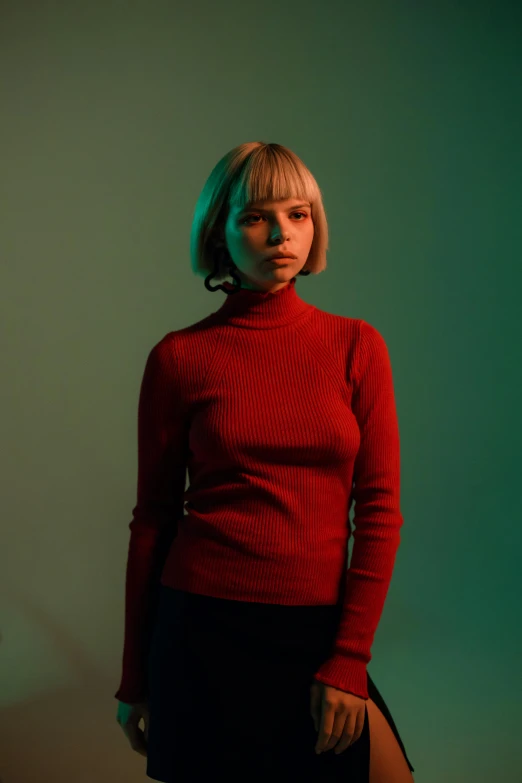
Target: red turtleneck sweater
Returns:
[283, 414]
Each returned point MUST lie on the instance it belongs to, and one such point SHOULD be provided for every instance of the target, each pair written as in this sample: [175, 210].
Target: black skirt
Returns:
[229, 693]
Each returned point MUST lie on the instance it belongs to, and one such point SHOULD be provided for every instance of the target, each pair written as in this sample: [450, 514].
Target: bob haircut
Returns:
[252, 172]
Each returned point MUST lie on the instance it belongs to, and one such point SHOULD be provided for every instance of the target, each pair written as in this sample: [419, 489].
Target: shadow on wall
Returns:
[58, 712]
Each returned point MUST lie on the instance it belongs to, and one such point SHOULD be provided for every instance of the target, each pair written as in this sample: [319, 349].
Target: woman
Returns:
[247, 636]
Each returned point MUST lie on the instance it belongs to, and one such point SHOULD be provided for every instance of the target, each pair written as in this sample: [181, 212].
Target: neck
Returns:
[262, 309]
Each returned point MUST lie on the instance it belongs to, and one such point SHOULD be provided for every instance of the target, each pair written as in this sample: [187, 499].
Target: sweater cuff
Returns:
[345, 674]
[131, 695]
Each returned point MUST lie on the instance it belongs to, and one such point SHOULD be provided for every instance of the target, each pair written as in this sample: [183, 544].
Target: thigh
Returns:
[387, 761]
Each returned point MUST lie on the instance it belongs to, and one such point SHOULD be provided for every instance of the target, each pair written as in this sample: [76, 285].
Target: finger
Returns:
[315, 701]
[325, 727]
[346, 733]
[359, 725]
[135, 737]
[341, 727]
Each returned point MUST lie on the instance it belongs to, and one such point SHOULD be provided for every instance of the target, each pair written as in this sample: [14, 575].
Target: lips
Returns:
[278, 256]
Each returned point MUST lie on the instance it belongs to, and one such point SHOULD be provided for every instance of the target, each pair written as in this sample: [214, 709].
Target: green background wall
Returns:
[113, 114]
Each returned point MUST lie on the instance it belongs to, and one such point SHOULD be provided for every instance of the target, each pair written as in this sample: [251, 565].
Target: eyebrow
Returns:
[259, 209]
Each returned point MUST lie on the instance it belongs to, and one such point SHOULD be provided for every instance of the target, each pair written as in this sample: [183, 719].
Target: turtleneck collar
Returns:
[262, 309]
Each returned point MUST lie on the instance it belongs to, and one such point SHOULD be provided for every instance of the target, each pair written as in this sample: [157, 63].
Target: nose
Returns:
[277, 233]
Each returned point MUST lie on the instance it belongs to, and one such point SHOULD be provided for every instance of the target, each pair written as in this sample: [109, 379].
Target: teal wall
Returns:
[113, 114]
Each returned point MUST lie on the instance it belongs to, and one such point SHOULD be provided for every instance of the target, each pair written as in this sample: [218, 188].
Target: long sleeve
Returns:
[377, 517]
[162, 455]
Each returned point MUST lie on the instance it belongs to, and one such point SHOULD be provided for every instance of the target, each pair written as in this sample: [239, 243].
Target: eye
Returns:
[256, 214]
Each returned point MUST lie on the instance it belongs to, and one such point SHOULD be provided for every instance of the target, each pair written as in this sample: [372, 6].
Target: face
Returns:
[265, 229]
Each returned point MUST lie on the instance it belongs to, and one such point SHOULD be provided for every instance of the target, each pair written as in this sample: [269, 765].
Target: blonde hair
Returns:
[254, 171]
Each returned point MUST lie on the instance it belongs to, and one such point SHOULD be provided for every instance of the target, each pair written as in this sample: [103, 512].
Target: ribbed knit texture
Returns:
[283, 415]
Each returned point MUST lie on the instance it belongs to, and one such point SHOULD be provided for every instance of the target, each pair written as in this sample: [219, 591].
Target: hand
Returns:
[337, 715]
[129, 716]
